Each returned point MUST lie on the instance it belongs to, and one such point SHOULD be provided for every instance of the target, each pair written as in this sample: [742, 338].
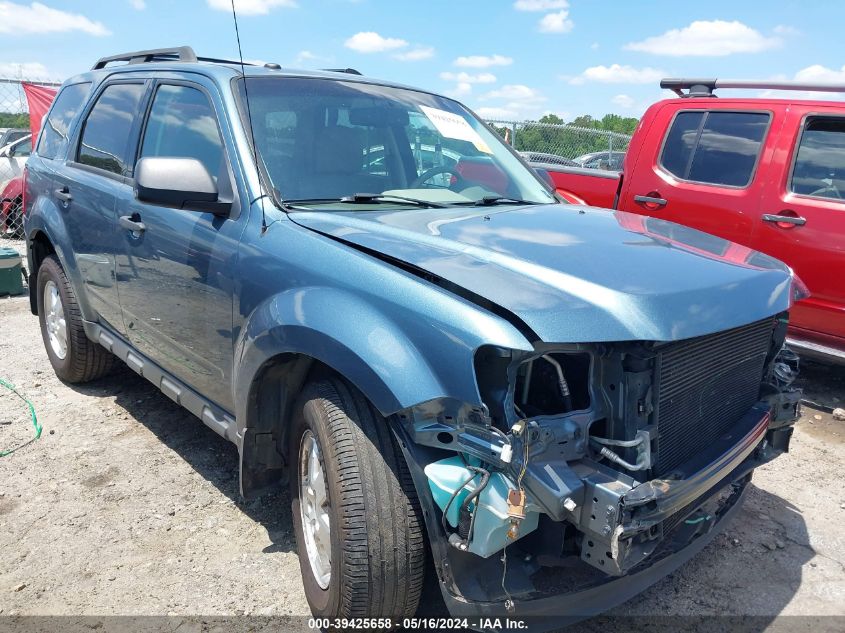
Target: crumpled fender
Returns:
[388, 360]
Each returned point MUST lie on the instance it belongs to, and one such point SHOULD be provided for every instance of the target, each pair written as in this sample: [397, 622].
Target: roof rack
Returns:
[181, 54]
[348, 71]
[705, 87]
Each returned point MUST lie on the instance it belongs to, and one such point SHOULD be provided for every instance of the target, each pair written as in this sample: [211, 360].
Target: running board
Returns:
[816, 351]
[212, 416]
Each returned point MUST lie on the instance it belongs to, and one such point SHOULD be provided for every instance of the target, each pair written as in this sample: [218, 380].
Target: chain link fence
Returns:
[565, 145]
[15, 147]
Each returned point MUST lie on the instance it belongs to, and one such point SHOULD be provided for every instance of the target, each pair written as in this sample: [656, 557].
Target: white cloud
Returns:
[138, 5]
[540, 5]
[418, 54]
[26, 70]
[785, 29]
[626, 102]
[481, 78]
[516, 93]
[20, 19]
[556, 23]
[821, 74]
[488, 112]
[462, 89]
[483, 61]
[594, 46]
[619, 74]
[371, 42]
[703, 38]
[308, 57]
[252, 7]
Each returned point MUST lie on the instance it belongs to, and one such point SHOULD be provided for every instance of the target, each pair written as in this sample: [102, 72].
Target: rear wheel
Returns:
[355, 511]
[74, 357]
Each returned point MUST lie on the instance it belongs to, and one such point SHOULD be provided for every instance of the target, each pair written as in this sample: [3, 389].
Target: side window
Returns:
[22, 149]
[182, 124]
[820, 163]
[56, 127]
[105, 137]
[715, 147]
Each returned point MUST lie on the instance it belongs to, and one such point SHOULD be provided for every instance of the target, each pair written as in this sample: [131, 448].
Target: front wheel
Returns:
[355, 512]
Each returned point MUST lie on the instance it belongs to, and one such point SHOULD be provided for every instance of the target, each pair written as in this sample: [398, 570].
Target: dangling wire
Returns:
[32, 416]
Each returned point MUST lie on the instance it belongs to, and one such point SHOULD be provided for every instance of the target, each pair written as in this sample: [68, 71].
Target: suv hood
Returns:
[577, 274]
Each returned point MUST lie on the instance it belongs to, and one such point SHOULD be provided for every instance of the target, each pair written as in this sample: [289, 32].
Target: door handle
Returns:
[63, 194]
[132, 223]
[652, 200]
[784, 219]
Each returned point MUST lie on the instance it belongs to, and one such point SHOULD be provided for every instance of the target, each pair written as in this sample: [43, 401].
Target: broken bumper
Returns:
[654, 528]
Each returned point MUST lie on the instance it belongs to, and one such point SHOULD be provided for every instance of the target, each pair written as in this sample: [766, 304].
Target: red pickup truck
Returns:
[765, 173]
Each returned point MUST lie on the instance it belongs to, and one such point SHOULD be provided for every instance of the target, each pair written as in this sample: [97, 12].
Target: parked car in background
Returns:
[555, 404]
[10, 135]
[11, 208]
[548, 159]
[13, 157]
[601, 160]
[765, 173]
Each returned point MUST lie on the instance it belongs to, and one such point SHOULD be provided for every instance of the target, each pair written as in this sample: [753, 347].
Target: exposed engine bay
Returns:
[593, 459]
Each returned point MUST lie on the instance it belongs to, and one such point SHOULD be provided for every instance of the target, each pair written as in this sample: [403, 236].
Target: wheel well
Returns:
[270, 402]
[40, 247]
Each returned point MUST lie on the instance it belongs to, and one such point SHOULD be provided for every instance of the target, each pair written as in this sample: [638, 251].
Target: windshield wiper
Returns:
[488, 201]
[380, 197]
[363, 198]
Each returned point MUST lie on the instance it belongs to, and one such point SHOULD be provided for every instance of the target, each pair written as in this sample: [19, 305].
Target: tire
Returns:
[378, 547]
[83, 359]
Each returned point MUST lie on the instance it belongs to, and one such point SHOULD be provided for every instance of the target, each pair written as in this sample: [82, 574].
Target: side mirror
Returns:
[181, 183]
[7, 152]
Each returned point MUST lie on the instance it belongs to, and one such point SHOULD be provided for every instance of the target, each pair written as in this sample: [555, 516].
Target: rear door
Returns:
[175, 276]
[86, 186]
[704, 170]
[802, 217]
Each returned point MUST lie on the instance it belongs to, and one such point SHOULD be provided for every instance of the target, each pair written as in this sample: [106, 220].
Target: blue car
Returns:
[438, 357]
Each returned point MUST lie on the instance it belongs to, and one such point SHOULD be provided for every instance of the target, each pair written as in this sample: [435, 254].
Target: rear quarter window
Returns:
[68, 103]
[715, 147]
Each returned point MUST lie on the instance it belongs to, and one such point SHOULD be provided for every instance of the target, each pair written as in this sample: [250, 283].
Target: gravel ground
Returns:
[128, 505]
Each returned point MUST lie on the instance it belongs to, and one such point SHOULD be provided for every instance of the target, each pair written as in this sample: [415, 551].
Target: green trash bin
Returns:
[11, 282]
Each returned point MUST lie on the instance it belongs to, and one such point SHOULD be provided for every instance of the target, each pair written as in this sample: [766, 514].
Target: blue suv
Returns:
[382, 306]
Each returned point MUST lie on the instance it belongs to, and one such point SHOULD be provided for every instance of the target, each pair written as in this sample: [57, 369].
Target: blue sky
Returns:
[510, 59]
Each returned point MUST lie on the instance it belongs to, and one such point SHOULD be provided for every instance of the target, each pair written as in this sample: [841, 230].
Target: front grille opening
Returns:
[553, 384]
[705, 385]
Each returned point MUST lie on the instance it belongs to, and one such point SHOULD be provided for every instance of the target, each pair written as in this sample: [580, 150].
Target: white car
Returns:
[13, 157]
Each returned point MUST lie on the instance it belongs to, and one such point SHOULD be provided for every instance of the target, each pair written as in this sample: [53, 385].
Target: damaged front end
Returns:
[592, 469]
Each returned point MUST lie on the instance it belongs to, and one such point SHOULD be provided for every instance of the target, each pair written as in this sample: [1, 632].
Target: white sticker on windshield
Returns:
[455, 126]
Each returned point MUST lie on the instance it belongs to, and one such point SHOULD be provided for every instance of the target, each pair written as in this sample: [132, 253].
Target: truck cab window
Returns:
[715, 147]
[820, 163]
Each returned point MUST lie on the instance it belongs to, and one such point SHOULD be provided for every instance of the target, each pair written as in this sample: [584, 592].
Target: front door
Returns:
[704, 172]
[175, 276]
[802, 218]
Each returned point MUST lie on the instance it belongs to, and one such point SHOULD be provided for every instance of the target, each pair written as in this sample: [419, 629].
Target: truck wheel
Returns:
[355, 511]
[74, 357]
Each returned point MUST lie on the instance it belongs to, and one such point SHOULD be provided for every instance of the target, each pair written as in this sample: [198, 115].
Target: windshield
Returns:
[322, 140]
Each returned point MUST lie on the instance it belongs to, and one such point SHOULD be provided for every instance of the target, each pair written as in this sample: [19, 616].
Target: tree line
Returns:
[565, 140]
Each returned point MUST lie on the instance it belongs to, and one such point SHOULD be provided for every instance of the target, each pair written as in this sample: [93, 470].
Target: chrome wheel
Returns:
[314, 509]
[54, 320]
